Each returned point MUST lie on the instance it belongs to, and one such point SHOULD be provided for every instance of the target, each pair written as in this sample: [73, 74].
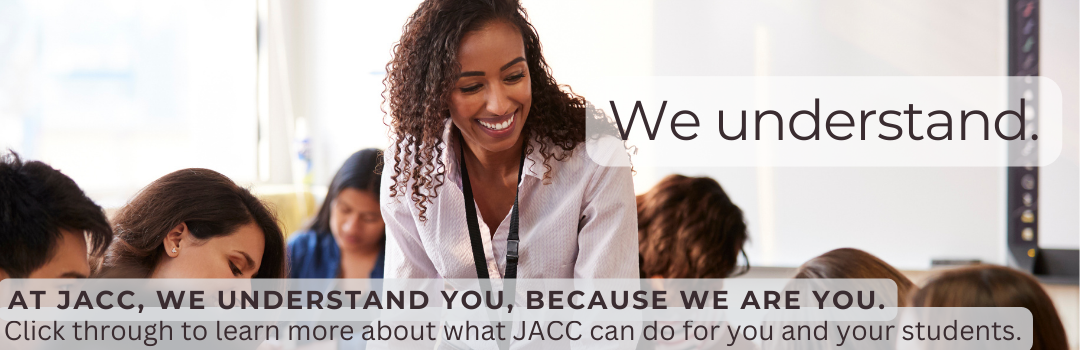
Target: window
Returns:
[118, 93]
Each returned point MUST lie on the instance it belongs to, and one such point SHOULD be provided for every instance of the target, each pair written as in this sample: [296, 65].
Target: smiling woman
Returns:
[195, 223]
[483, 176]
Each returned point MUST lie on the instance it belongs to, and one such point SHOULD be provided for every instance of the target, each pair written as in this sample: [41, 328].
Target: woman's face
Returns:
[355, 220]
[236, 255]
[492, 96]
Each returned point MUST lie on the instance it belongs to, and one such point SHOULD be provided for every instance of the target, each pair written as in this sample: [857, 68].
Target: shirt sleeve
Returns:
[607, 234]
[405, 253]
[296, 254]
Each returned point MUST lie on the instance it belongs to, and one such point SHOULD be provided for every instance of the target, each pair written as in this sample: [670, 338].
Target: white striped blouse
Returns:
[583, 224]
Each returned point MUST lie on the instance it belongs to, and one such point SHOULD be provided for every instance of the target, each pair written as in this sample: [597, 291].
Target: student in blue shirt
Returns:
[346, 238]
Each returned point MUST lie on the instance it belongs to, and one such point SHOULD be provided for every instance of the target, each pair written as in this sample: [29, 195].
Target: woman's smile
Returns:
[498, 127]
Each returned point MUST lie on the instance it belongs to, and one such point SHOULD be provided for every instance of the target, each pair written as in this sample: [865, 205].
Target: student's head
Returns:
[479, 64]
[195, 223]
[351, 209]
[855, 263]
[689, 228]
[47, 224]
[996, 286]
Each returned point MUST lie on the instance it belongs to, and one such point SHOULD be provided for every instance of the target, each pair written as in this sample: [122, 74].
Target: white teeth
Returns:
[499, 126]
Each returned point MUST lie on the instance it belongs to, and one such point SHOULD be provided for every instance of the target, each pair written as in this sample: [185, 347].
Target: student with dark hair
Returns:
[846, 263]
[855, 263]
[996, 286]
[195, 223]
[689, 228]
[46, 223]
[346, 239]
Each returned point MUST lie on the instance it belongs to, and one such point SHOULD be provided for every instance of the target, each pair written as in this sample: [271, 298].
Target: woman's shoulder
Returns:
[604, 151]
[580, 162]
[306, 241]
[303, 236]
[309, 253]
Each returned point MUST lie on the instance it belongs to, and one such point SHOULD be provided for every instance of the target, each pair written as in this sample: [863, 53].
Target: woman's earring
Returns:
[174, 250]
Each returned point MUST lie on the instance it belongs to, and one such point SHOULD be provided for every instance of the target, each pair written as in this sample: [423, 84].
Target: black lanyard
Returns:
[474, 226]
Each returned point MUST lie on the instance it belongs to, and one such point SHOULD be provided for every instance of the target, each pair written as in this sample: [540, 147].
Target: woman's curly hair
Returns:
[422, 74]
[688, 227]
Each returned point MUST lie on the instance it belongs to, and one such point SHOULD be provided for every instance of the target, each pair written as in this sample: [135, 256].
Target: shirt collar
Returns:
[534, 161]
